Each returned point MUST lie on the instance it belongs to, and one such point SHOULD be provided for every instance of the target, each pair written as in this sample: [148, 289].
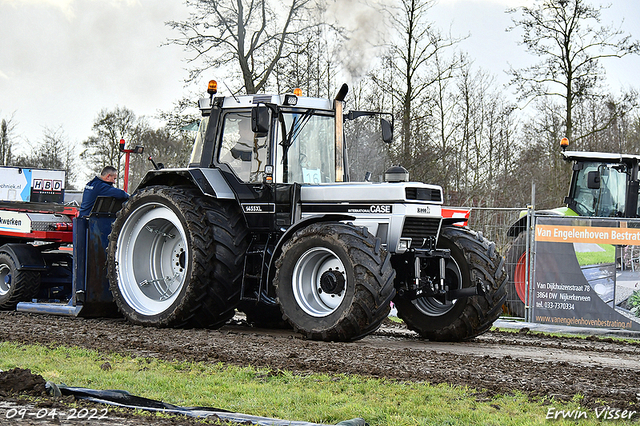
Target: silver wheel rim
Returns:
[152, 259]
[306, 282]
[5, 279]
[434, 307]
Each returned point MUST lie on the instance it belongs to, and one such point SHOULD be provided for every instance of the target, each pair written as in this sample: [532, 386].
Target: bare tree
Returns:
[484, 150]
[444, 122]
[54, 152]
[632, 133]
[603, 120]
[539, 159]
[6, 140]
[183, 114]
[169, 146]
[311, 64]
[245, 35]
[563, 35]
[411, 64]
[102, 148]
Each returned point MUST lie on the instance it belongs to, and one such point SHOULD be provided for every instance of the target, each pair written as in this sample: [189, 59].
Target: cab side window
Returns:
[241, 149]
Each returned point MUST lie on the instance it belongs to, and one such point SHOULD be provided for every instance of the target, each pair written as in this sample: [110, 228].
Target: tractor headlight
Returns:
[403, 245]
[290, 100]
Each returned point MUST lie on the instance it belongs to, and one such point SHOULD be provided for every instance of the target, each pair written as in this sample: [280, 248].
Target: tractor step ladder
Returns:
[258, 253]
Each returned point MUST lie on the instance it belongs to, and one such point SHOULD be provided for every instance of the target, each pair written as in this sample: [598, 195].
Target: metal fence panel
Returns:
[494, 223]
[519, 251]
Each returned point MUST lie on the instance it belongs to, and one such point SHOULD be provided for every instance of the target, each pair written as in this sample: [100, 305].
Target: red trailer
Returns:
[51, 261]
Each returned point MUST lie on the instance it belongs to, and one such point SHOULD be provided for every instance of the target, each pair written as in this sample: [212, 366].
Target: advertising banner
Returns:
[14, 222]
[587, 272]
[47, 185]
[18, 184]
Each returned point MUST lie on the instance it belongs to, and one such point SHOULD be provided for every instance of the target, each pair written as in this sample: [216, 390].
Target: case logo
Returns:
[380, 209]
[374, 208]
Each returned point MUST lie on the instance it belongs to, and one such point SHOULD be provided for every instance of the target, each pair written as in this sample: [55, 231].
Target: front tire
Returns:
[334, 282]
[473, 259]
[175, 258]
[15, 285]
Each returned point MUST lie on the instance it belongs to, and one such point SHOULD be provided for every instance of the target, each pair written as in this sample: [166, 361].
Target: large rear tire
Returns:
[15, 285]
[175, 258]
[334, 282]
[473, 260]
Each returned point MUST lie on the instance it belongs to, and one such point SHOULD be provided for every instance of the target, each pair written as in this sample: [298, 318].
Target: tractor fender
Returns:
[209, 181]
[299, 225]
[25, 256]
[521, 224]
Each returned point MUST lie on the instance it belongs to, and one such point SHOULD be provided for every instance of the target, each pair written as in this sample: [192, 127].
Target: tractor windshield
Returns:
[599, 189]
[306, 147]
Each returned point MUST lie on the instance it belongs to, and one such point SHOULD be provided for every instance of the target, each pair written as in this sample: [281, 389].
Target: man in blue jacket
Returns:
[100, 186]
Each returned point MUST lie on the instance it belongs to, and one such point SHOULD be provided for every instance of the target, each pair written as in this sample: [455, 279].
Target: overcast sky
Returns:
[62, 61]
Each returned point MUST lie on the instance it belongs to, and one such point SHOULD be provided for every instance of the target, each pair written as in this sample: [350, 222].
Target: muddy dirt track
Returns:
[604, 371]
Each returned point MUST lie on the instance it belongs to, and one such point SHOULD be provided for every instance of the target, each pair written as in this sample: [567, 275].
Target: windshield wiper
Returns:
[299, 122]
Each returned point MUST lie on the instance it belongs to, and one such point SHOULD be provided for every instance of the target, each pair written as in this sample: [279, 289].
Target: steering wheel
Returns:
[583, 207]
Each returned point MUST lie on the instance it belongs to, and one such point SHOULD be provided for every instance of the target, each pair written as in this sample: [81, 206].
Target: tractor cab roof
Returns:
[606, 157]
[288, 100]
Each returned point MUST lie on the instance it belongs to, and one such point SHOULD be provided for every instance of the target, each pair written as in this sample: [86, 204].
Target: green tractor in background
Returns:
[602, 185]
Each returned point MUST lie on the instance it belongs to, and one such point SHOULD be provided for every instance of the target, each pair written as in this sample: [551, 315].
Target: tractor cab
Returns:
[603, 184]
[281, 139]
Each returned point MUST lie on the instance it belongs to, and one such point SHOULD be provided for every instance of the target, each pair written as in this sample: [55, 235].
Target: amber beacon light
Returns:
[212, 89]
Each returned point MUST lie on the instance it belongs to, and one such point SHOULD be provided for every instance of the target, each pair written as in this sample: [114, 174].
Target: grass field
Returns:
[598, 257]
[319, 398]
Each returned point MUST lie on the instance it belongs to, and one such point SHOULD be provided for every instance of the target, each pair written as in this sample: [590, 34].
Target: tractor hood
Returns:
[401, 192]
[559, 211]
[521, 223]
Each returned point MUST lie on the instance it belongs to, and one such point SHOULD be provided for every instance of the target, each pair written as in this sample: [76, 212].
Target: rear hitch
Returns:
[430, 280]
[466, 292]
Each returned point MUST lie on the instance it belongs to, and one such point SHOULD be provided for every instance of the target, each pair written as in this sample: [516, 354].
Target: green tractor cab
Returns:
[602, 185]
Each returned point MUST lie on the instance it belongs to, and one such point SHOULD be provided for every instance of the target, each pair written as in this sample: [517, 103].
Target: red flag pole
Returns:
[127, 153]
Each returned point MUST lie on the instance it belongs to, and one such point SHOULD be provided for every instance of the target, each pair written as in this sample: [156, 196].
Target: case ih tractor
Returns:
[265, 220]
[602, 185]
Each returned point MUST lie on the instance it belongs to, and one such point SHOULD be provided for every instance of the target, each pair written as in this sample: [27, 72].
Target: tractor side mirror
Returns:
[260, 121]
[593, 180]
[387, 130]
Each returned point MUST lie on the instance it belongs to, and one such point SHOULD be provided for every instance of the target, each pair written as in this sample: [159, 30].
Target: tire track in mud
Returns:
[603, 371]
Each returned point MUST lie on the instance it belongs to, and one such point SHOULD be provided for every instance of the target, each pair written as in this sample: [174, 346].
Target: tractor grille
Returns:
[423, 194]
[422, 231]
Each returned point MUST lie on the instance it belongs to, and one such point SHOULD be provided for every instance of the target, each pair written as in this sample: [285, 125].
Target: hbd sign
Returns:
[47, 185]
[18, 184]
